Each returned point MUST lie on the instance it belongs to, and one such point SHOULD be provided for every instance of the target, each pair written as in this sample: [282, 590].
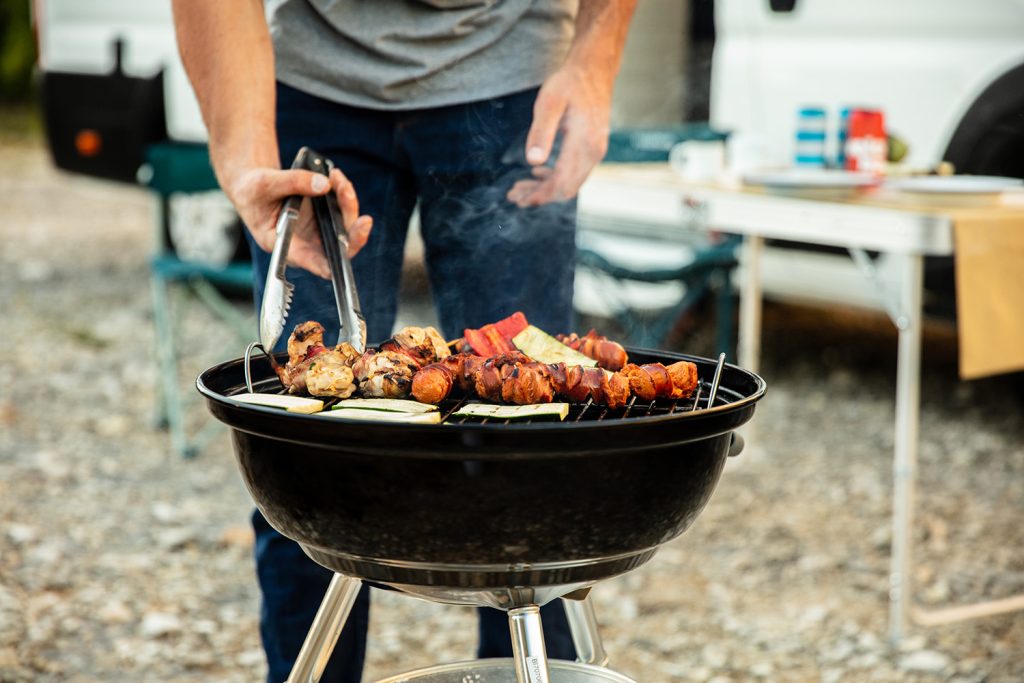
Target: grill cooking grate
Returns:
[592, 412]
[703, 397]
[582, 412]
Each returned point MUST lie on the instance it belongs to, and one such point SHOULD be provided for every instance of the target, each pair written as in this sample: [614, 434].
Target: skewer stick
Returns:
[714, 382]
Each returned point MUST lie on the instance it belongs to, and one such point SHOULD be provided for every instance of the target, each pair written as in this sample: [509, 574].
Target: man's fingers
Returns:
[521, 190]
[309, 255]
[346, 194]
[541, 172]
[547, 113]
[359, 234]
[582, 149]
[280, 184]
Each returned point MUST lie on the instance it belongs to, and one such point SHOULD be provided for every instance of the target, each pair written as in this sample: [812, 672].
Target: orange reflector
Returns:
[88, 142]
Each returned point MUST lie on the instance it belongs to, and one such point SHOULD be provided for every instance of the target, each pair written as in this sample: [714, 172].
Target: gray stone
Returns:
[176, 538]
[20, 534]
[159, 624]
[928, 661]
[715, 656]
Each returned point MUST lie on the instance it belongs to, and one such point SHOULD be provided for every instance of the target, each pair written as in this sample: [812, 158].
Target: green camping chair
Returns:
[680, 274]
[172, 170]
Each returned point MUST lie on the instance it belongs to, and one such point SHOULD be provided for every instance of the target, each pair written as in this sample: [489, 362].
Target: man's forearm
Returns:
[601, 29]
[225, 46]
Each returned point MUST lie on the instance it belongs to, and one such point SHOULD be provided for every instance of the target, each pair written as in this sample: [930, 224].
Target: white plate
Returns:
[954, 184]
[810, 179]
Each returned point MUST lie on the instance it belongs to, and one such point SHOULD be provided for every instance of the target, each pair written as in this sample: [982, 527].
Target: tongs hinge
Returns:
[277, 293]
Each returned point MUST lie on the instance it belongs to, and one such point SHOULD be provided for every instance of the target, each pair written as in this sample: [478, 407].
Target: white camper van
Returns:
[948, 75]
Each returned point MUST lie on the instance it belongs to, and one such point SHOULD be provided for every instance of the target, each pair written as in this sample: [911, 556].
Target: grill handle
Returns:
[735, 445]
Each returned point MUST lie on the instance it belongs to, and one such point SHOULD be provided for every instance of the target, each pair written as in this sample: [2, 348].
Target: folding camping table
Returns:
[908, 233]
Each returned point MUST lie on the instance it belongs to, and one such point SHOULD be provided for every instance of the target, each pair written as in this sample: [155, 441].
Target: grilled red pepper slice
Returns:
[512, 325]
[496, 338]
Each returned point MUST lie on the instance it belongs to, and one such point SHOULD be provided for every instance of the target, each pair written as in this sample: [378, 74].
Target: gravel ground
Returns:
[121, 561]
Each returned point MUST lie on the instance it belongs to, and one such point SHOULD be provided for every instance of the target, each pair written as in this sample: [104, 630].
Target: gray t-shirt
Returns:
[410, 54]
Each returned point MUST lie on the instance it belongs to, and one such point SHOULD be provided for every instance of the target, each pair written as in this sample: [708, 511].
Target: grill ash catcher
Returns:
[488, 513]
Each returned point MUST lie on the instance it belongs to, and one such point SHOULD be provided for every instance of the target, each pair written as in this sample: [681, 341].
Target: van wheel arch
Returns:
[990, 137]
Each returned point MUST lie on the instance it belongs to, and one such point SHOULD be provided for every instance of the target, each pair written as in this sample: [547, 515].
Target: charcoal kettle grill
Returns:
[500, 514]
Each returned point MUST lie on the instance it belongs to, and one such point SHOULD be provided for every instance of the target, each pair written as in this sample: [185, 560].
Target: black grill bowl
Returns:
[481, 505]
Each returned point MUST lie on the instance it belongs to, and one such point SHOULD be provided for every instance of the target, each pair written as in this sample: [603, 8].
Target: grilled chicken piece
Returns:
[608, 354]
[293, 375]
[348, 352]
[648, 382]
[305, 336]
[433, 383]
[384, 375]
[305, 344]
[424, 345]
[329, 374]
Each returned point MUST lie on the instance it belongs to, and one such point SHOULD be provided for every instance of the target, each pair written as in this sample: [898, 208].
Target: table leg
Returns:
[908, 415]
[748, 338]
[749, 342]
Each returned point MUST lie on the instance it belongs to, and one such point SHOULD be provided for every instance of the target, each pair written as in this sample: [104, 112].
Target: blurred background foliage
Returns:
[17, 51]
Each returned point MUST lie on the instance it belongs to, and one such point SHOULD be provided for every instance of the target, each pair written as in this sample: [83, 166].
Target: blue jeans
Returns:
[485, 257]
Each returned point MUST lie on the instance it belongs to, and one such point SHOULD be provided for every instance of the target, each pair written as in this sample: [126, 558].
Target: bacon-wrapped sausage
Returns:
[463, 366]
[527, 383]
[491, 374]
[650, 381]
[608, 354]
[603, 387]
[433, 383]
[684, 378]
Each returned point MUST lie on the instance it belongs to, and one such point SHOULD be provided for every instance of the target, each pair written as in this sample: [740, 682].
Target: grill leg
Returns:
[585, 634]
[323, 634]
[528, 645]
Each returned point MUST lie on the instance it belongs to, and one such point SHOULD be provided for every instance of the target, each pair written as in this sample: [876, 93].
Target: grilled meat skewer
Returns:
[608, 354]
[417, 361]
[386, 374]
[424, 345]
[433, 383]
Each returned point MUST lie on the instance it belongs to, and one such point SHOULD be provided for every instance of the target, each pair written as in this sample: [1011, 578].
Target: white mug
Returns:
[745, 152]
[698, 160]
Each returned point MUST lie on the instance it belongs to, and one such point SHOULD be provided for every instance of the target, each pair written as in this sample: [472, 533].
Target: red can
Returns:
[866, 145]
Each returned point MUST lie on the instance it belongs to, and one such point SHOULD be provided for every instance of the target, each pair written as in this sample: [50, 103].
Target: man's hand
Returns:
[258, 193]
[576, 100]
[574, 103]
[226, 49]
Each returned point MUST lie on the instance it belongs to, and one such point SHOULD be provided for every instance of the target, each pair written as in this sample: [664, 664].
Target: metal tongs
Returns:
[277, 295]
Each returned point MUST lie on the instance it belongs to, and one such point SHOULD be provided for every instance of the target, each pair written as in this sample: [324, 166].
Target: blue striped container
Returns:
[842, 134]
[810, 137]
